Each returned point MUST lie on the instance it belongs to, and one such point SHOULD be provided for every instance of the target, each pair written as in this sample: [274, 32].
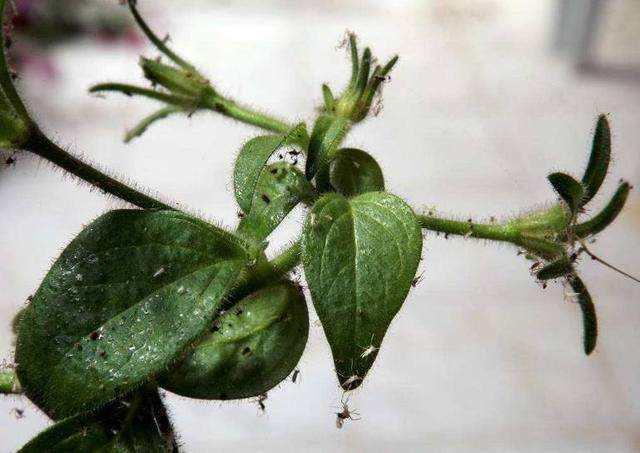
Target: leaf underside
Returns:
[252, 348]
[131, 291]
[360, 257]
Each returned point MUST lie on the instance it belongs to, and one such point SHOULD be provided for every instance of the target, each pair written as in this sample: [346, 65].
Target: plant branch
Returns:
[9, 383]
[288, 259]
[493, 232]
[5, 77]
[42, 146]
[233, 110]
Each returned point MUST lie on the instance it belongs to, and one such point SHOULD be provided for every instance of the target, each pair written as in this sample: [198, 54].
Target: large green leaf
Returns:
[130, 292]
[360, 256]
[354, 172]
[251, 348]
[254, 156]
[279, 189]
[137, 423]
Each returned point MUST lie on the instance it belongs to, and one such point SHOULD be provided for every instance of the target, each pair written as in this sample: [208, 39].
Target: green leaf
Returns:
[589, 320]
[125, 298]
[605, 217]
[136, 423]
[279, 189]
[360, 256]
[252, 347]
[599, 160]
[254, 156]
[146, 122]
[354, 172]
[328, 133]
[555, 269]
[570, 190]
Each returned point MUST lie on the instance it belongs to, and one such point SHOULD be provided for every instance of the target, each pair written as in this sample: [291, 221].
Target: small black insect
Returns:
[246, 351]
[261, 399]
[10, 160]
[417, 280]
[240, 215]
[294, 152]
[274, 171]
[295, 376]
[95, 335]
[265, 198]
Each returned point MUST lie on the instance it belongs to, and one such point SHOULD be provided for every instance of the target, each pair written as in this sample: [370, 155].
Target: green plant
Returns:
[154, 298]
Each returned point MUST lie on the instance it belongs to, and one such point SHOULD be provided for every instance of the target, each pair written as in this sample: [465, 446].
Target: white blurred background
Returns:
[488, 98]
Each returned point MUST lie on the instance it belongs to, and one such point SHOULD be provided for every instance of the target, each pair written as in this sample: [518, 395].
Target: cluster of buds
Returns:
[355, 101]
[555, 238]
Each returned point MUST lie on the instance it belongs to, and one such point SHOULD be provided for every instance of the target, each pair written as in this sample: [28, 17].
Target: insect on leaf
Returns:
[279, 189]
[360, 256]
[252, 347]
[254, 156]
[125, 298]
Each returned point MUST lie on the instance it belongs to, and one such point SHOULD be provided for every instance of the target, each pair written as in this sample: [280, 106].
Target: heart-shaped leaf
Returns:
[360, 256]
[279, 189]
[251, 348]
[328, 133]
[254, 156]
[354, 172]
[125, 298]
[134, 424]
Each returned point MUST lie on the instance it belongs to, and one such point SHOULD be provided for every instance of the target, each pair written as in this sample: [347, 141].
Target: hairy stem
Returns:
[469, 229]
[233, 110]
[40, 145]
[9, 383]
[287, 260]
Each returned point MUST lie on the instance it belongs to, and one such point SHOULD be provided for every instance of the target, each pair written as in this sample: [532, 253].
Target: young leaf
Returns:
[254, 156]
[328, 133]
[251, 348]
[599, 160]
[136, 423]
[125, 298]
[354, 172]
[360, 256]
[589, 320]
[608, 214]
[279, 189]
[555, 269]
[570, 190]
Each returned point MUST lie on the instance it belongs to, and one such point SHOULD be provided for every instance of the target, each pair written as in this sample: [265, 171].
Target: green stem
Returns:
[159, 43]
[493, 232]
[40, 145]
[5, 76]
[230, 108]
[469, 229]
[287, 260]
[9, 383]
